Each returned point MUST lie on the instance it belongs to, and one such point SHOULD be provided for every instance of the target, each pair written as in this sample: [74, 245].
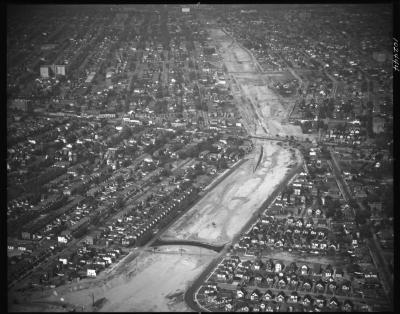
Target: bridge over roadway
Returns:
[216, 248]
[278, 139]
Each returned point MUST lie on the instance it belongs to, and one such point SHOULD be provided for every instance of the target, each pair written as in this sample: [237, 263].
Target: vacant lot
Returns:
[153, 282]
[263, 111]
[218, 216]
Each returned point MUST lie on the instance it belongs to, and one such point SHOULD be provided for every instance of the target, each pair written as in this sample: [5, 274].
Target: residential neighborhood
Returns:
[212, 157]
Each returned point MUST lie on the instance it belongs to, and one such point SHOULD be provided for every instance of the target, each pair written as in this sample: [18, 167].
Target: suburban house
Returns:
[320, 286]
[320, 301]
[241, 293]
[294, 297]
[255, 295]
[281, 297]
[268, 295]
[308, 300]
[304, 270]
[90, 272]
[334, 303]
[307, 285]
[347, 306]
[278, 267]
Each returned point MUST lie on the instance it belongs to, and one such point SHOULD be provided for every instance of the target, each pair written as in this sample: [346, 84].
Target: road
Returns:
[73, 244]
[22, 281]
[279, 139]
[159, 242]
[322, 64]
[373, 245]
[52, 258]
[223, 175]
[302, 293]
[148, 246]
[190, 295]
[248, 110]
[191, 292]
[256, 65]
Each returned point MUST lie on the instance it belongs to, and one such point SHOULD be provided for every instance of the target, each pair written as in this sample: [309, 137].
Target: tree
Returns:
[329, 213]
[126, 132]
[362, 216]
[192, 75]
[338, 214]
[353, 203]
[335, 204]
[328, 198]
[119, 179]
[331, 251]
[119, 203]
[71, 138]
[365, 232]
[352, 268]
[222, 164]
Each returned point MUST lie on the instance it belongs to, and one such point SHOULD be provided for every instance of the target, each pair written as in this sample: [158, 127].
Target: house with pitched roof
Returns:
[334, 303]
[268, 295]
[281, 297]
[308, 300]
[255, 295]
[294, 297]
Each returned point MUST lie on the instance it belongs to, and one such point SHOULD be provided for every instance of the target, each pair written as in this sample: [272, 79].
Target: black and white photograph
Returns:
[200, 157]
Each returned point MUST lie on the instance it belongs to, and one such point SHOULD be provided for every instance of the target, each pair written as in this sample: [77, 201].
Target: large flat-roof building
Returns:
[44, 71]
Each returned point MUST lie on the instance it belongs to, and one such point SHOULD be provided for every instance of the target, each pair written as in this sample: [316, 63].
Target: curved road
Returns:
[260, 158]
[373, 245]
[190, 294]
[216, 248]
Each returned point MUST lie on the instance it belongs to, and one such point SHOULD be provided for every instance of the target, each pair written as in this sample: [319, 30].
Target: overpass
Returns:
[278, 139]
[216, 248]
[241, 72]
[190, 296]
[297, 140]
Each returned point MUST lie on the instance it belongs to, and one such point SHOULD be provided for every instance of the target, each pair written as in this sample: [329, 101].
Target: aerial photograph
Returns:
[200, 157]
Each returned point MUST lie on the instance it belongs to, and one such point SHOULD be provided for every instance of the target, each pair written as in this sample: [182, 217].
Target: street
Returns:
[198, 282]
[376, 251]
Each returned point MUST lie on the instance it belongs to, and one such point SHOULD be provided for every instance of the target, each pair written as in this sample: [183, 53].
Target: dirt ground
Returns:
[39, 307]
[217, 217]
[263, 111]
[155, 282]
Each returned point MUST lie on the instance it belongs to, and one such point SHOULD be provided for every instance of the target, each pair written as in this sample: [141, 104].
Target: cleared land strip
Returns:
[217, 218]
[192, 290]
[183, 253]
[218, 180]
